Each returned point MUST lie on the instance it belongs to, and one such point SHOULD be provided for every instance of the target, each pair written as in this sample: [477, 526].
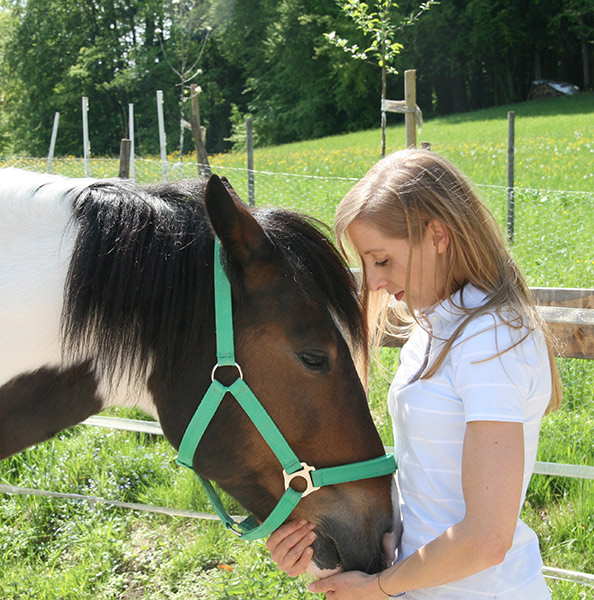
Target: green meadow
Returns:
[52, 548]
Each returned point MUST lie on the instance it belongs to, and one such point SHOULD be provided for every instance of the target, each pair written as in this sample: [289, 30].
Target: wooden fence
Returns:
[569, 314]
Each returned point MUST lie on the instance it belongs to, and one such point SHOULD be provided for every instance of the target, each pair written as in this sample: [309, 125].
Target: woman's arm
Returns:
[492, 478]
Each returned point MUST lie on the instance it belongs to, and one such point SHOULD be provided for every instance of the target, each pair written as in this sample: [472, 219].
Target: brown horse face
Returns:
[296, 361]
[305, 378]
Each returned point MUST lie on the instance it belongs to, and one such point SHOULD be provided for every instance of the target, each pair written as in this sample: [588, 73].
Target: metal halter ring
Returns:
[231, 527]
[304, 473]
[214, 370]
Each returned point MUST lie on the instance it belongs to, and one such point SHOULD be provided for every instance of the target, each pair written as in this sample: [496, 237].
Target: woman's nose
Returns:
[375, 282]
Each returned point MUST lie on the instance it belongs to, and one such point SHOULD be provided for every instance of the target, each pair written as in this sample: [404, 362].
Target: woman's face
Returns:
[386, 262]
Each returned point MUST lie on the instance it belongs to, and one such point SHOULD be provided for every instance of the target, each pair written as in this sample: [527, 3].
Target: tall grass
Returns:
[65, 549]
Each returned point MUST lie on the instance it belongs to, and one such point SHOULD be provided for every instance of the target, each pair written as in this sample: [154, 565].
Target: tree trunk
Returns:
[537, 65]
[586, 64]
[383, 111]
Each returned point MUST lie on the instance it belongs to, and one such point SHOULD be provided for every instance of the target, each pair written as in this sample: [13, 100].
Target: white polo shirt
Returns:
[430, 417]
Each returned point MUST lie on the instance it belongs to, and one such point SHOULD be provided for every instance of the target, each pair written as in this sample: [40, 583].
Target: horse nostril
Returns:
[326, 555]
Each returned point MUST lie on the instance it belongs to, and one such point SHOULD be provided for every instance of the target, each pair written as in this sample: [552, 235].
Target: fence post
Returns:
[162, 137]
[86, 143]
[510, 175]
[132, 173]
[50, 156]
[201, 155]
[408, 106]
[410, 99]
[250, 161]
[124, 159]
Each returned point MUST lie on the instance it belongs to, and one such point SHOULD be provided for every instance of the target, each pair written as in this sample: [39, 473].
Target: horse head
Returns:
[294, 304]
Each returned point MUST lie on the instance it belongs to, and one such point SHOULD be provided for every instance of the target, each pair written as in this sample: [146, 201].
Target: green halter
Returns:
[249, 528]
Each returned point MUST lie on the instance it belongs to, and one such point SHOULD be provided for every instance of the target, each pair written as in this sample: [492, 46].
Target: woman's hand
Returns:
[290, 546]
[352, 585]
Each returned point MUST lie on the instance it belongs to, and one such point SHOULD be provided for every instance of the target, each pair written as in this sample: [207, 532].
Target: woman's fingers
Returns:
[285, 530]
[290, 546]
[299, 567]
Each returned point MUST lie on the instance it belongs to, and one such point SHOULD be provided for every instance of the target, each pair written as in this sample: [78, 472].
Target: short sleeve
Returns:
[494, 370]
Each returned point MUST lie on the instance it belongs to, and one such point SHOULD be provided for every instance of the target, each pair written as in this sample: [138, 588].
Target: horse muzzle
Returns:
[363, 538]
[346, 547]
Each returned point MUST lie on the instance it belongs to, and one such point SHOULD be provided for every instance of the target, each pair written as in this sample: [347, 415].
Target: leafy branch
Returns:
[375, 24]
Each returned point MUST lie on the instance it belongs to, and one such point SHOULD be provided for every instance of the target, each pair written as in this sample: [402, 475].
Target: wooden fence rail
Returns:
[569, 313]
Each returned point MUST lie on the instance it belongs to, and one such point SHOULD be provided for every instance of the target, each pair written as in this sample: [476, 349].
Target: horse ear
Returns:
[241, 235]
[230, 189]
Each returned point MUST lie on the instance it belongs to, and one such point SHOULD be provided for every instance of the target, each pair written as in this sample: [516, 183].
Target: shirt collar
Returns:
[450, 311]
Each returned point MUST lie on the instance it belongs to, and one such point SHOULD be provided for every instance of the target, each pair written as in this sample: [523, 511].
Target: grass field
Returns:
[54, 549]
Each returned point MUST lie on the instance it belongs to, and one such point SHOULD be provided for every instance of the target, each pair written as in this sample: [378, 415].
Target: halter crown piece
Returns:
[249, 528]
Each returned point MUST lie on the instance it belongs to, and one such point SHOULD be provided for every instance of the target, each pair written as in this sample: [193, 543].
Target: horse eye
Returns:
[315, 361]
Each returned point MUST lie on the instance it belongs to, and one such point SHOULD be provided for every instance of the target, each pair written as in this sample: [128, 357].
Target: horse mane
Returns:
[307, 251]
[140, 281]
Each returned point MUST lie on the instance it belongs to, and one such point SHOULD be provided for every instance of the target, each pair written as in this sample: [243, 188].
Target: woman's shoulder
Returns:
[485, 323]
[501, 330]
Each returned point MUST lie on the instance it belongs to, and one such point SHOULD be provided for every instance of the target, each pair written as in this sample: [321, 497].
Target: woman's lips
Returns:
[399, 295]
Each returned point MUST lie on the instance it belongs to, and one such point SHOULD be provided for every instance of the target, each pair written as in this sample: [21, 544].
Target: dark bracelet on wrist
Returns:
[379, 584]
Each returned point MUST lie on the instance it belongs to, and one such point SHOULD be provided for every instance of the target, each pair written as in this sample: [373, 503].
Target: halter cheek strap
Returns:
[249, 528]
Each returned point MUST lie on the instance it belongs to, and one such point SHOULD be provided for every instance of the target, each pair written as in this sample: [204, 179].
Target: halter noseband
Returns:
[249, 528]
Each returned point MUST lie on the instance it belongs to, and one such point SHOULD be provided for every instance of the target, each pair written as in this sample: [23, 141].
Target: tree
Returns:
[377, 27]
[65, 49]
[107, 50]
[293, 88]
[577, 17]
[6, 25]
[451, 79]
[188, 34]
[269, 58]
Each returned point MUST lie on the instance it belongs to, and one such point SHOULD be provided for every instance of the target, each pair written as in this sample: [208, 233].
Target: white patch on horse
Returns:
[318, 573]
[37, 238]
[35, 249]
[126, 392]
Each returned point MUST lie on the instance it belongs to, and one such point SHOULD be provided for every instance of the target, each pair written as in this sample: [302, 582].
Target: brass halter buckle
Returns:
[305, 473]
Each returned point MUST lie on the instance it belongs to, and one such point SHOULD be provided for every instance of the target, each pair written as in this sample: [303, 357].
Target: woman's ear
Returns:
[440, 235]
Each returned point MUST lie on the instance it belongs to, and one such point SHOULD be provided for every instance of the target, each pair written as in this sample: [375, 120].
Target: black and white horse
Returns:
[106, 299]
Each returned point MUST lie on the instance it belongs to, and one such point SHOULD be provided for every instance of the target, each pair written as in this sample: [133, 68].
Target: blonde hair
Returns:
[399, 197]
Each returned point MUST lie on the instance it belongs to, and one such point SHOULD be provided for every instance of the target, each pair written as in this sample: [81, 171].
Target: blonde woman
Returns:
[474, 381]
